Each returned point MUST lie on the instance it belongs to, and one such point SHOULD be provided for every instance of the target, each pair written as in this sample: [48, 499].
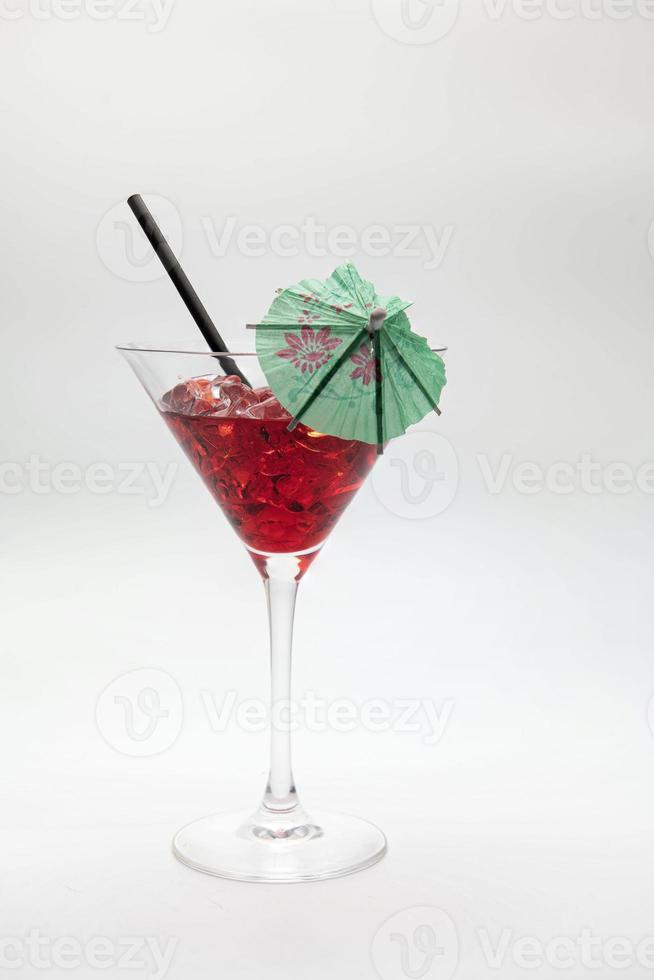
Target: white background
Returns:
[531, 140]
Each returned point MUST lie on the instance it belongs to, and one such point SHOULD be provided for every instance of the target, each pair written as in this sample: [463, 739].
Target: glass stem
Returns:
[281, 591]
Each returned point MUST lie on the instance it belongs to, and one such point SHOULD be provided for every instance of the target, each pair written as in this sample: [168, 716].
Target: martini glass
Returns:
[282, 492]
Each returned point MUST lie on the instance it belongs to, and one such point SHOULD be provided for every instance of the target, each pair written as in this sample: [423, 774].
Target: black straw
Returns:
[181, 283]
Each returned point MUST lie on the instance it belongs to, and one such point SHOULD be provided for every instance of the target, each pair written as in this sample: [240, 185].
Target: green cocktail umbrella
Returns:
[344, 360]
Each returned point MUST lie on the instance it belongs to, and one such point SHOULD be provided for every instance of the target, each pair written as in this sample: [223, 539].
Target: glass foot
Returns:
[279, 847]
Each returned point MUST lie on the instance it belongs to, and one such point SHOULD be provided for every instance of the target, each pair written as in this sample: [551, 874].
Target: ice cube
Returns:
[270, 410]
[232, 393]
[242, 404]
[263, 394]
[222, 397]
[192, 397]
[229, 386]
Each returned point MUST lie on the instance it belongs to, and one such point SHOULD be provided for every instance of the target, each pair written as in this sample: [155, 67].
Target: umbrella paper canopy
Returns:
[344, 360]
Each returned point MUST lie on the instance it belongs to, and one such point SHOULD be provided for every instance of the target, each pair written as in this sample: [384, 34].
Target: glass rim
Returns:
[134, 349]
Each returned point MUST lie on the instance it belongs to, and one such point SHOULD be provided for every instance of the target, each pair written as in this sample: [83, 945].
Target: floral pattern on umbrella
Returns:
[310, 350]
[367, 367]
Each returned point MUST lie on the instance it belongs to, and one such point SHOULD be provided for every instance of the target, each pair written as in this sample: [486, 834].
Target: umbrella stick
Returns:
[413, 375]
[327, 378]
[378, 392]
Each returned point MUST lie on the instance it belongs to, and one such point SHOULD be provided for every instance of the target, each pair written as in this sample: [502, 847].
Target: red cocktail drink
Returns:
[282, 491]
